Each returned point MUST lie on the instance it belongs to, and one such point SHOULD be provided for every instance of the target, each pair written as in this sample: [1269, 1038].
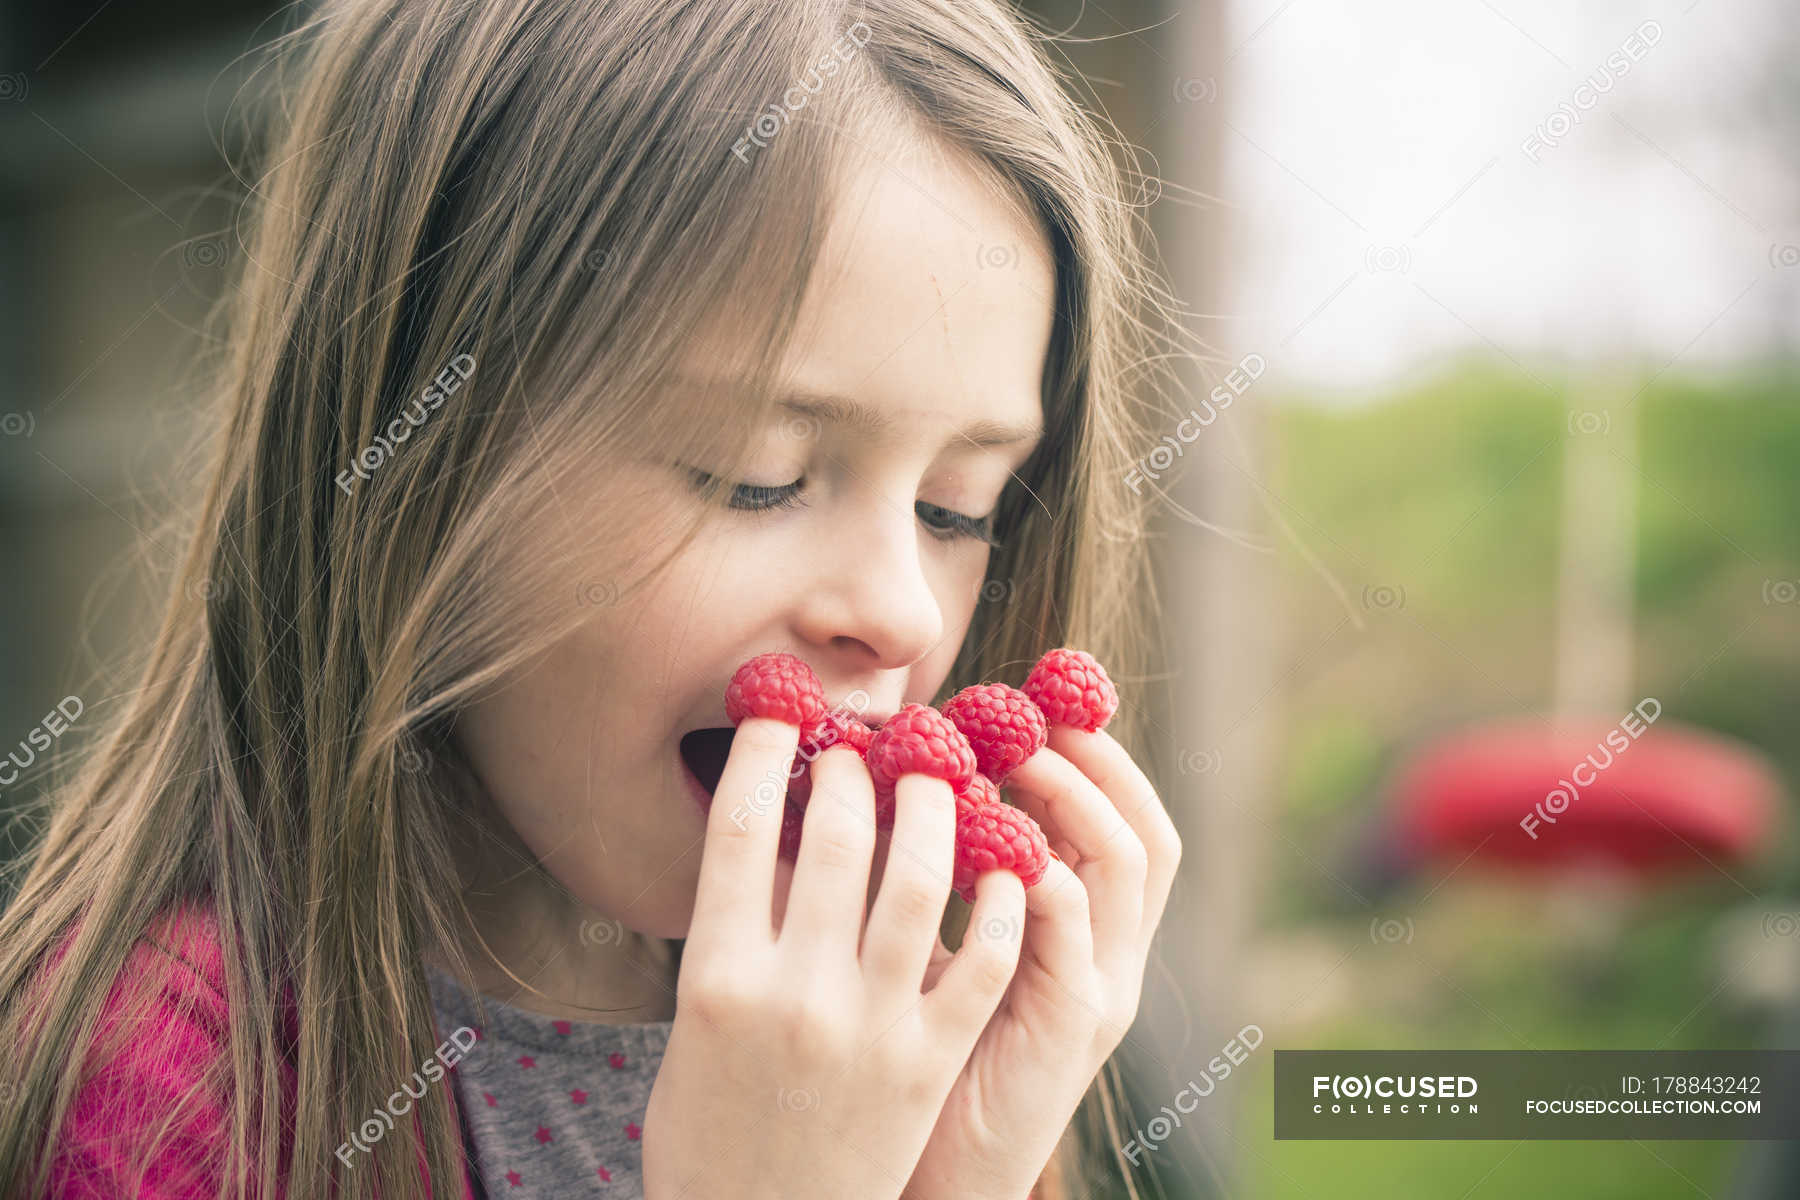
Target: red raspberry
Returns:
[835, 727]
[775, 685]
[980, 791]
[920, 739]
[1072, 689]
[831, 730]
[1002, 724]
[997, 836]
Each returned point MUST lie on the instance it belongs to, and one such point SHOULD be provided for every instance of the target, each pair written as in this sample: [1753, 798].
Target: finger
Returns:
[1112, 860]
[1102, 759]
[915, 884]
[934, 970]
[972, 984]
[1059, 932]
[831, 875]
[737, 860]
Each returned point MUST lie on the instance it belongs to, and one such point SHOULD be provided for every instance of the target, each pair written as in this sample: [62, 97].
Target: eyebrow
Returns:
[854, 415]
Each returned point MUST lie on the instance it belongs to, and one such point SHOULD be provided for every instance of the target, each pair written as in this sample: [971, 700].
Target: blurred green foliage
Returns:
[1438, 511]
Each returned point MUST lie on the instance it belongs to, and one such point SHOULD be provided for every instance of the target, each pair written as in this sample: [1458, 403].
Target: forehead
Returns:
[931, 303]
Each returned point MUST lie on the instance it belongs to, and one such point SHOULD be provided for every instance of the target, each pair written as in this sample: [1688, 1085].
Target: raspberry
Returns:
[922, 739]
[834, 727]
[775, 685]
[1072, 689]
[1002, 724]
[997, 836]
[980, 791]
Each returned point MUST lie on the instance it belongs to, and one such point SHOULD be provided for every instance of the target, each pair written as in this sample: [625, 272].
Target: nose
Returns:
[870, 604]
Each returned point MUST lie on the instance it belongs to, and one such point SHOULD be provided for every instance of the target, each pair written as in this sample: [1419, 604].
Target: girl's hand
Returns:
[1076, 989]
[800, 1065]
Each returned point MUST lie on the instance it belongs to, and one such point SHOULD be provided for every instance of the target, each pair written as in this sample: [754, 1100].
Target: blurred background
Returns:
[1499, 450]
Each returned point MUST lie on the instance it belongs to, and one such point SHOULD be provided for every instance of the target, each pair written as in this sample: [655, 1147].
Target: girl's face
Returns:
[930, 314]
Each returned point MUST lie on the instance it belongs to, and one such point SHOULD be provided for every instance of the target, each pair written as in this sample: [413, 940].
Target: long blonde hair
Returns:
[560, 197]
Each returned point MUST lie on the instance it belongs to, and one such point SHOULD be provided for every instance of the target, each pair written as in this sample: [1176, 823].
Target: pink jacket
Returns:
[136, 1078]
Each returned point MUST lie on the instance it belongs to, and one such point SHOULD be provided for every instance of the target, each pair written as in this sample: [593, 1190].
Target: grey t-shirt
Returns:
[555, 1108]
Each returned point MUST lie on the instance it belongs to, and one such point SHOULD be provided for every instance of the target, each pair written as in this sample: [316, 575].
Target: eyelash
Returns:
[750, 497]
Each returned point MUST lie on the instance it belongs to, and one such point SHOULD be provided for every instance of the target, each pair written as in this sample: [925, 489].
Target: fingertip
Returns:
[767, 731]
[1000, 886]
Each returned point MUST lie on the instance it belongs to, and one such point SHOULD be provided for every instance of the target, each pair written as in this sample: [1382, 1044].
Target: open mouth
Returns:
[704, 751]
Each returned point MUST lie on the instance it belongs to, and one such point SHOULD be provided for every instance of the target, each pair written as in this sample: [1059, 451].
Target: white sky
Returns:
[1353, 127]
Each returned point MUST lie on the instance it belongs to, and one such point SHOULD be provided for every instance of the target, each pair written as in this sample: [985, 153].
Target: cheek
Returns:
[960, 593]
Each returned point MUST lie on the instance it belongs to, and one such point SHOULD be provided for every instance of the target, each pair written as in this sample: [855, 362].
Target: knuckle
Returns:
[1070, 901]
[1165, 841]
[814, 1032]
[837, 847]
[916, 900]
[718, 996]
[1133, 856]
[1123, 1009]
[994, 970]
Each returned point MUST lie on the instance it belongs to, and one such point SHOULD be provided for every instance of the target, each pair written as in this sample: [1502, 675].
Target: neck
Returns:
[556, 956]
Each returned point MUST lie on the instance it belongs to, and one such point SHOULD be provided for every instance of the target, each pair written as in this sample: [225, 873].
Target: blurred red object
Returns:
[1651, 799]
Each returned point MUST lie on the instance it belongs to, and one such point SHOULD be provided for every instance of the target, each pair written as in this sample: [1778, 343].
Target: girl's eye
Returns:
[951, 525]
[751, 497]
[945, 524]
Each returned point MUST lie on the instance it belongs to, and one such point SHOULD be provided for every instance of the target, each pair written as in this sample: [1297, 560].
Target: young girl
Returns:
[579, 351]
